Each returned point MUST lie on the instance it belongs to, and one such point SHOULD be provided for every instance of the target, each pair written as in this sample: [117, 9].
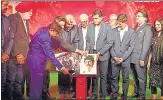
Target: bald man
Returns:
[113, 20]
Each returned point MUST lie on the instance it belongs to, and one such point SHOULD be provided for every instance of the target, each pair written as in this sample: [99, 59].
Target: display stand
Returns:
[81, 87]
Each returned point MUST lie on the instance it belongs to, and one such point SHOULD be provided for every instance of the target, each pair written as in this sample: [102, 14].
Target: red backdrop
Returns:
[45, 12]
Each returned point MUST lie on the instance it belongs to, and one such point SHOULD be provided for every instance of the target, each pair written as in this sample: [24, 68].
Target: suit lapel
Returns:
[125, 34]
[81, 35]
[118, 35]
[93, 33]
[141, 27]
[22, 25]
[100, 31]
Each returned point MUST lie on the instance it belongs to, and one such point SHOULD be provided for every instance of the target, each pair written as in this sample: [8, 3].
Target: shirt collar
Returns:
[125, 29]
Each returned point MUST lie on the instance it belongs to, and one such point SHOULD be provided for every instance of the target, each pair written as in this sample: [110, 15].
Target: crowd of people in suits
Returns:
[118, 47]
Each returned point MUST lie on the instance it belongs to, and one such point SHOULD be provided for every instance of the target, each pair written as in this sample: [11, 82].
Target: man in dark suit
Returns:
[124, 42]
[6, 46]
[98, 42]
[139, 57]
[20, 28]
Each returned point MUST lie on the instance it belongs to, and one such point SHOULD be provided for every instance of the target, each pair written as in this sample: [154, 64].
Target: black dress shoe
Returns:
[123, 97]
[134, 96]
[93, 97]
[114, 98]
[102, 98]
[73, 95]
[46, 96]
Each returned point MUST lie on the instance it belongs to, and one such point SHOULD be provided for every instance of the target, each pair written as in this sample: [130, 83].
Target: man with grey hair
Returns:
[82, 41]
[113, 20]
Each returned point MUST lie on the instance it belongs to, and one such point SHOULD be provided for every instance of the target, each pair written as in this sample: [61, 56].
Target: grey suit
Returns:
[81, 40]
[81, 47]
[71, 38]
[140, 52]
[6, 43]
[122, 49]
[103, 44]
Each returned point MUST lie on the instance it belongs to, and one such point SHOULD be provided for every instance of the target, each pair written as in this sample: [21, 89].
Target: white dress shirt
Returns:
[84, 31]
[122, 32]
[25, 26]
[97, 29]
[84, 70]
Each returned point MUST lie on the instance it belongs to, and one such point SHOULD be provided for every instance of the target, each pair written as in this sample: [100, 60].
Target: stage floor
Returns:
[53, 90]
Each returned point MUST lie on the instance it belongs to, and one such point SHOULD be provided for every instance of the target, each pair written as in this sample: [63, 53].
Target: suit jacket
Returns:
[143, 42]
[125, 47]
[7, 35]
[21, 38]
[41, 50]
[74, 42]
[81, 40]
[103, 43]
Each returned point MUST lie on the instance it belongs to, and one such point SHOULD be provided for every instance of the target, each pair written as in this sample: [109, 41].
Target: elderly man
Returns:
[19, 27]
[113, 24]
[113, 20]
[82, 41]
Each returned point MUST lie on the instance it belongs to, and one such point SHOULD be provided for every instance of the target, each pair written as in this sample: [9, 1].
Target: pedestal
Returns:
[81, 88]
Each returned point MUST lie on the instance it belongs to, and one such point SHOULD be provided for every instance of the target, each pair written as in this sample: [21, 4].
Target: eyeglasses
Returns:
[84, 21]
[138, 16]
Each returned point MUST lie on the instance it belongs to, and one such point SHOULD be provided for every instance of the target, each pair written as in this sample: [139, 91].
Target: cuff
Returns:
[62, 68]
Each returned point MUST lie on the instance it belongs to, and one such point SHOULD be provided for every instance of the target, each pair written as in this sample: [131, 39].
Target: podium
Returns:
[81, 87]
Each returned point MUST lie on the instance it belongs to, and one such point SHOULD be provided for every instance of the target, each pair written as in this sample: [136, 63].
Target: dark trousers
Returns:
[109, 76]
[46, 82]
[103, 70]
[14, 80]
[139, 74]
[63, 83]
[88, 84]
[115, 78]
[3, 77]
[162, 91]
[36, 85]
[26, 77]
[154, 90]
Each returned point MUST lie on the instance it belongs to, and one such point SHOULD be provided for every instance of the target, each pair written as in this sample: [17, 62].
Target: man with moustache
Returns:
[20, 28]
[98, 42]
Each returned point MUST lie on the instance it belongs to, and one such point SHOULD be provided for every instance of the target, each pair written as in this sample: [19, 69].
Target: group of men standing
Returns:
[114, 43]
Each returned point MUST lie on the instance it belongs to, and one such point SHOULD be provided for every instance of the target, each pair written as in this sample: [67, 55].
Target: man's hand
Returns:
[148, 65]
[5, 57]
[120, 60]
[20, 59]
[82, 52]
[142, 63]
[86, 52]
[65, 71]
[116, 59]
[98, 55]
[75, 55]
